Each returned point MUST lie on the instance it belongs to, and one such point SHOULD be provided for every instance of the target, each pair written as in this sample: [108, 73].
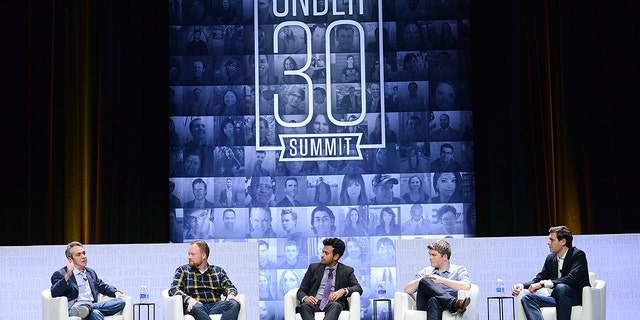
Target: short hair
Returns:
[198, 180]
[444, 209]
[67, 251]
[384, 242]
[291, 242]
[337, 244]
[563, 233]
[344, 27]
[446, 145]
[289, 179]
[293, 214]
[204, 247]
[416, 118]
[441, 246]
[298, 90]
[324, 209]
[263, 243]
[191, 124]
[265, 209]
[319, 89]
[228, 210]
[329, 212]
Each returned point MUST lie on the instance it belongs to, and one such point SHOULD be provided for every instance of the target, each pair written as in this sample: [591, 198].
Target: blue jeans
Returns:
[228, 309]
[433, 299]
[101, 309]
[563, 297]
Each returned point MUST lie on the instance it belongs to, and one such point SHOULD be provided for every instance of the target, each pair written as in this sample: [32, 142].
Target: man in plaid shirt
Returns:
[202, 285]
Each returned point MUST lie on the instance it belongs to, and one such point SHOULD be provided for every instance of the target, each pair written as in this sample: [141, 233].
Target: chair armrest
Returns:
[594, 302]
[127, 312]
[171, 306]
[242, 315]
[55, 308]
[473, 310]
[354, 306]
[290, 304]
[402, 301]
[519, 309]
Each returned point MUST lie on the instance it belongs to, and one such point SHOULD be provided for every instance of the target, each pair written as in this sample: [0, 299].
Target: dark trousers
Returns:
[331, 311]
[433, 299]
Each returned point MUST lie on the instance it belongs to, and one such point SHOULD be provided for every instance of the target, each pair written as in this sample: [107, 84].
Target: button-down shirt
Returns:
[207, 286]
[84, 289]
[454, 272]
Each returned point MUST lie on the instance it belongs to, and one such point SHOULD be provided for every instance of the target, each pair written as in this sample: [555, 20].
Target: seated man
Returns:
[565, 270]
[437, 286]
[81, 286]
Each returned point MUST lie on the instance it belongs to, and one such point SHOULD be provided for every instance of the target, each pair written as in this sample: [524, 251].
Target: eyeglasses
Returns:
[202, 217]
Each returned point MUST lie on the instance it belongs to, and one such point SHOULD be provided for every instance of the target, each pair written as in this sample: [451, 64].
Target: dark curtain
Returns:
[555, 89]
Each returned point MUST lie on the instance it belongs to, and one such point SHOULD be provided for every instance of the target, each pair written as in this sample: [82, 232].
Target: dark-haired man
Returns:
[327, 284]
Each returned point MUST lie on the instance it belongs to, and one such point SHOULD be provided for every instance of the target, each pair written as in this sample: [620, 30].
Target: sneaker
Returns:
[81, 311]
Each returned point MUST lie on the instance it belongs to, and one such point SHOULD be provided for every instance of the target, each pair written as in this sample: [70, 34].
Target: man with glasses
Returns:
[260, 192]
[294, 101]
[448, 217]
[445, 163]
[199, 223]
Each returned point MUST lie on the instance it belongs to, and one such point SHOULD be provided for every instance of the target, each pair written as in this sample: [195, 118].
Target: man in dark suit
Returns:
[228, 196]
[81, 286]
[342, 285]
[290, 192]
[565, 271]
[199, 194]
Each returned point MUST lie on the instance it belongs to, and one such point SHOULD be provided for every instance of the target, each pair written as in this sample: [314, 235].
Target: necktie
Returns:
[327, 290]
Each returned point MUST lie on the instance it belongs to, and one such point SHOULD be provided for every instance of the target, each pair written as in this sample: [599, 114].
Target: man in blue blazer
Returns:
[81, 286]
[565, 271]
[312, 287]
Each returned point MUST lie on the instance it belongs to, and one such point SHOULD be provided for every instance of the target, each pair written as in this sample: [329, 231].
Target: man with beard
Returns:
[202, 286]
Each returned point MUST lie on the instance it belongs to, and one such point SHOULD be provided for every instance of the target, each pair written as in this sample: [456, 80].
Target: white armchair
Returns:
[172, 308]
[404, 306]
[58, 308]
[291, 302]
[594, 303]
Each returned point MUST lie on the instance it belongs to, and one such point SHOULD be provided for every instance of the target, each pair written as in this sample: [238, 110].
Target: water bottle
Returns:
[382, 291]
[144, 294]
[500, 287]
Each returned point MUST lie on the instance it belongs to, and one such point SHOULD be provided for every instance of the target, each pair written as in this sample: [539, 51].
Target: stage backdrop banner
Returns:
[293, 121]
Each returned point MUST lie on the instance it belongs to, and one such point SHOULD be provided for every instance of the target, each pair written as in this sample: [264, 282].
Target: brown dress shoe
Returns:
[462, 304]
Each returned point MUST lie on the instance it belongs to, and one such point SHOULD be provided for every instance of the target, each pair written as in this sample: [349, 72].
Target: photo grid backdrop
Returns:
[394, 74]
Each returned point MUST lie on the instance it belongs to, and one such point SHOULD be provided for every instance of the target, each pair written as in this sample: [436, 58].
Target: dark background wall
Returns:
[555, 90]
